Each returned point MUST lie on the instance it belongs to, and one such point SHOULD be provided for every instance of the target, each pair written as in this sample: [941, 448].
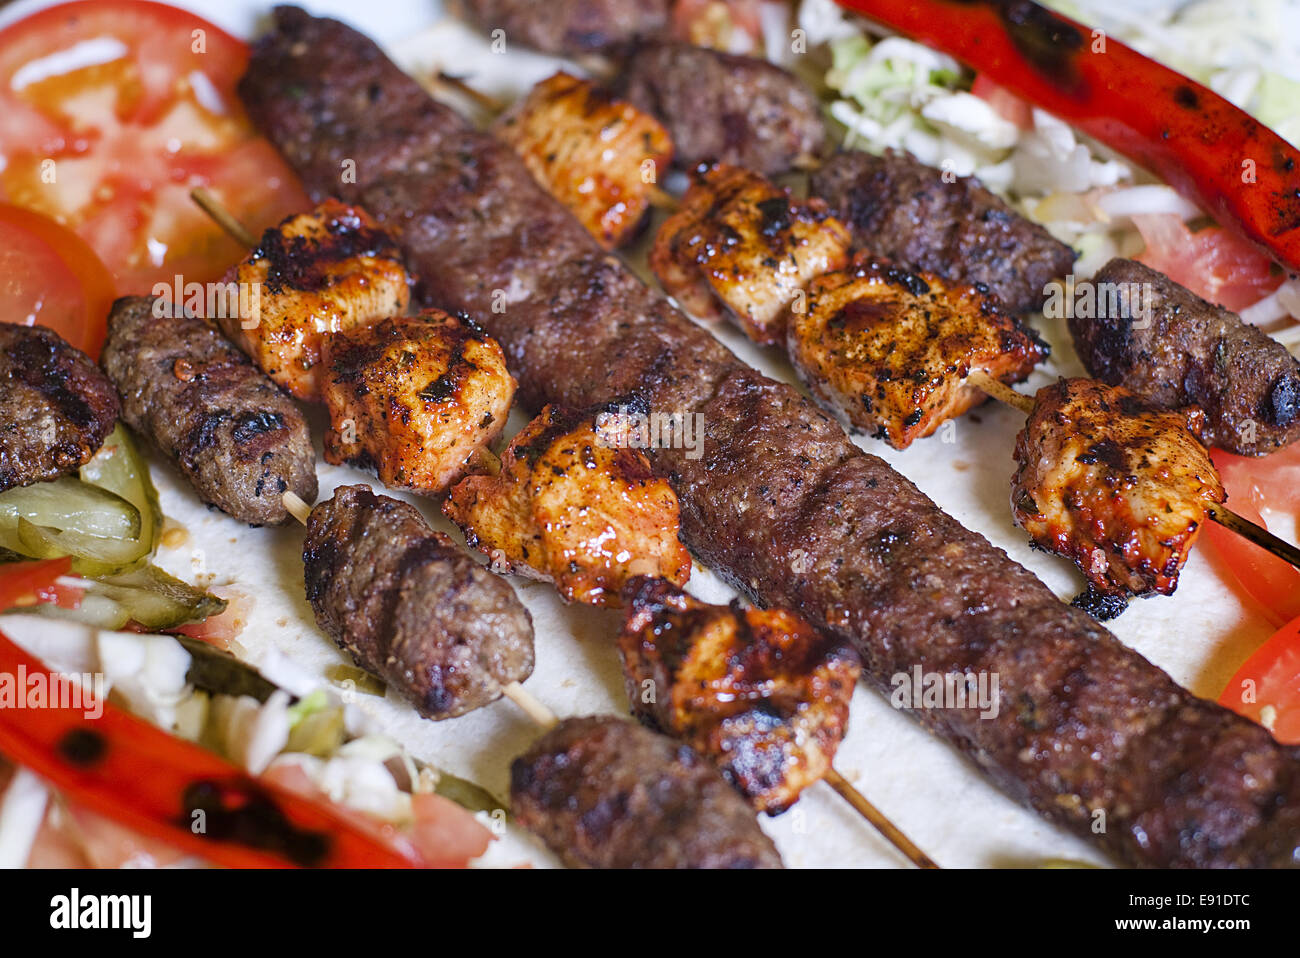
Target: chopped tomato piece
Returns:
[31, 583]
[50, 277]
[1254, 485]
[1005, 103]
[1213, 263]
[1267, 687]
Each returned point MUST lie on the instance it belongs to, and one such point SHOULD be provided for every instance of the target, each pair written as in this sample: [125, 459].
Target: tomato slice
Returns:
[1253, 485]
[50, 277]
[111, 111]
[1267, 688]
[29, 583]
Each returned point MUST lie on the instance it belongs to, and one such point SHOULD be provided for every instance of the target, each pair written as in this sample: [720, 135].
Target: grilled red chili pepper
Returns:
[1233, 166]
[167, 788]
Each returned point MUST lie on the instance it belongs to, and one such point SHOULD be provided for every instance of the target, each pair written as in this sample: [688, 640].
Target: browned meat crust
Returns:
[597, 155]
[410, 607]
[723, 108]
[57, 407]
[1120, 488]
[759, 691]
[605, 793]
[781, 501]
[888, 350]
[570, 26]
[900, 208]
[235, 436]
[1184, 352]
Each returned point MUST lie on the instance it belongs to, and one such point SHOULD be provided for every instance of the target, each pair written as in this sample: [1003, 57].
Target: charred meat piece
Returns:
[743, 244]
[606, 793]
[1119, 487]
[571, 26]
[761, 692]
[57, 406]
[889, 350]
[598, 156]
[778, 499]
[235, 436]
[899, 208]
[411, 607]
[1171, 348]
[724, 108]
[317, 273]
[414, 397]
[576, 506]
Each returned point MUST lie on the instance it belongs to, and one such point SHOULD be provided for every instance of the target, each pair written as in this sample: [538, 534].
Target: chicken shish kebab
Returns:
[781, 502]
[606, 793]
[926, 219]
[233, 434]
[318, 273]
[1185, 351]
[889, 350]
[58, 407]
[761, 692]
[597, 155]
[574, 507]
[416, 397]
[723, 108]
[410, 606]
[741, 245]
[1120, 488]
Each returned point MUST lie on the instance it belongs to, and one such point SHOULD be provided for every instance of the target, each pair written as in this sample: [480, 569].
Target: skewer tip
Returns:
[296, 506]
[530, 705]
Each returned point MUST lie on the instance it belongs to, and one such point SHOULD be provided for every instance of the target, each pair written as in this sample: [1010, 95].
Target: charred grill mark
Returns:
[251, 425]
[247, 815]
[83, 747]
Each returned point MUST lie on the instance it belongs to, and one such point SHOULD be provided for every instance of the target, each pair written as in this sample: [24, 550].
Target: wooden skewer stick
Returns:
[485, 101]
[223, 217]
[547, 720]
[882, 824]
[1220, 514]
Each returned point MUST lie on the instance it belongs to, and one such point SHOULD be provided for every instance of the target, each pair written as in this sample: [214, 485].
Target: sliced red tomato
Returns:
[732, 25]
[1254, 485]
[1267, 687]
[29, 583]
[50, 277]
[1213, 263]
[111, 111]
[1005, 103]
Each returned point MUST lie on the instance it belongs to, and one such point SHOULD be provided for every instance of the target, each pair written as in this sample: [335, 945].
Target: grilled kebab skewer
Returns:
[417, 398]
[573, 505]
[415, 610]
[780, 500]
[1116, 485]
[233, 434]
[1186, 351]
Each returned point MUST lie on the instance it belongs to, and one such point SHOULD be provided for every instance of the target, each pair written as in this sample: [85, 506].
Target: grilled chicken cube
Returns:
[1119, 487]
[317, 273]
[575, 506]
[761, 692]
[599, 156]
[888, 350]
[417, 398]
[741, 245]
